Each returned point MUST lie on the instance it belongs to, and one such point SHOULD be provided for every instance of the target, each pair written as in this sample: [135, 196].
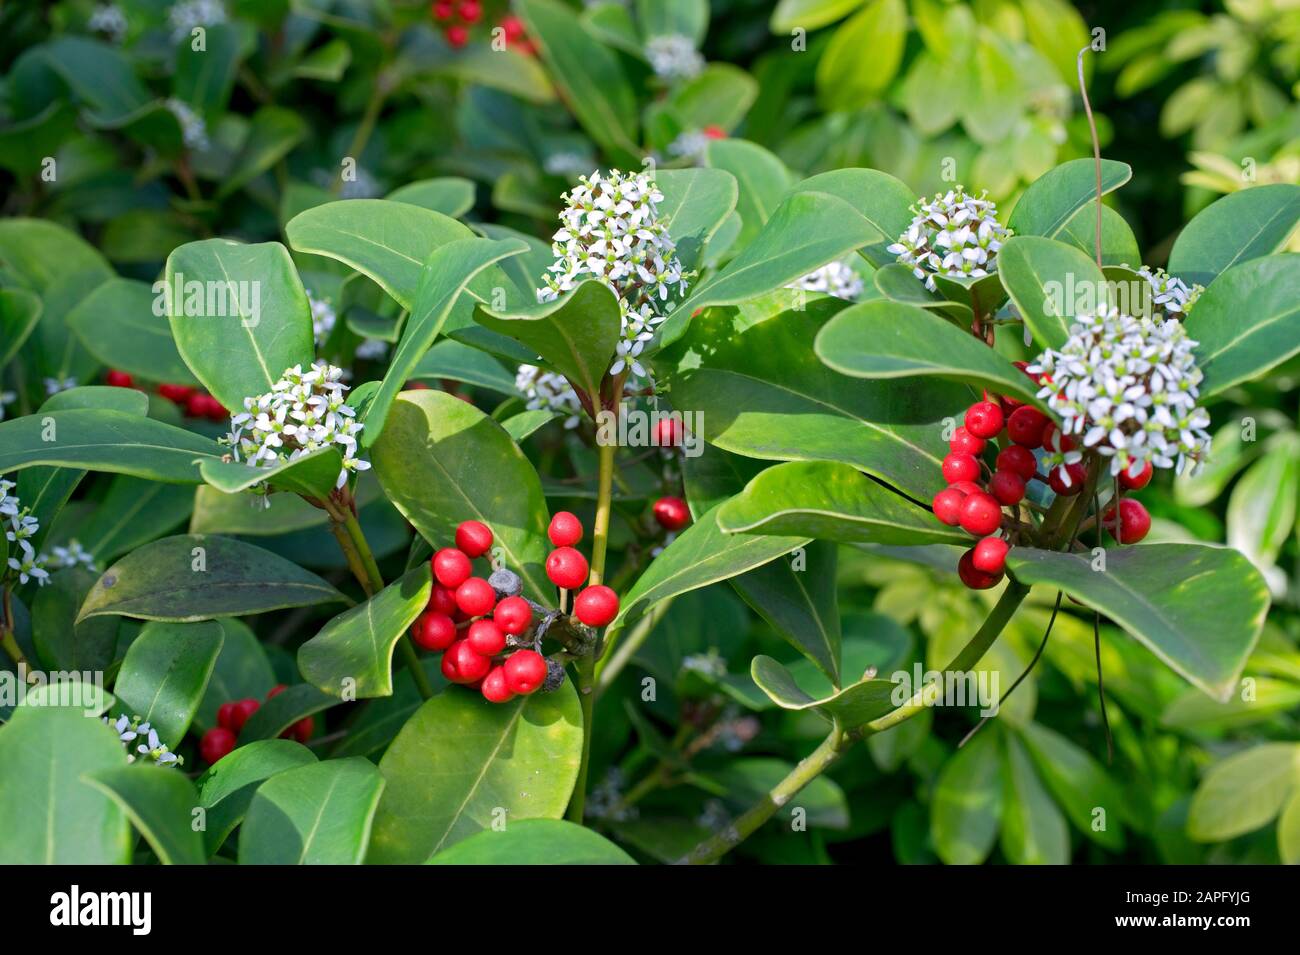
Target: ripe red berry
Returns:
[513, 27]
[216, 410]
[513, 615]
[1025, 426]
[960, 467]
[668, 433]
[473, 539]
[486, 637]
[981, 514]
[967, 487]
[1142, 479]
[566, 567]
[243, 710]
[457, 36]
[963, 442]
[565, 529]
[984, 419]
[525, 671]
[972, 576]
[451, 567]
[275, 691]
[119, 379]
[434, 631]
[596, 606]
[462, 664]
[176, 393]
[714, 131]
[470, 11]
[672, 513]
[443, 9]
[1054, 440]
[216, 743]
[196, 405]
[442, 600]
[947, 505]
[990, 555]
[1134, 521]
[228, 717]
[1076, 474]
[300, 731]
[475, 597]
[1019, 461]
[1008, 487]
[495, 688]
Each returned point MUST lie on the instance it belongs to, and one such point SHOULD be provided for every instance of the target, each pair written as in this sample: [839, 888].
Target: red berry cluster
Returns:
[596, 605]
[195, 403]
[456, 19]
[231, 717]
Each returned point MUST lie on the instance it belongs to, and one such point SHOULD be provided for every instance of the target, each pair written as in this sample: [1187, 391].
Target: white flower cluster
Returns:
[20, 526]
[303, 412]
[62, 383]
[372, 349]
[954, 234]
[130, 730]
[547, 391]
[673, 57]
[1128, 387]
[1171, 295]
[690, 145]
[6, 398]
[566, 163]
[108, 19]
[610, 230]
[833, 278]
[194, 131]
[188, 14]
[323, 318]
[71, 555]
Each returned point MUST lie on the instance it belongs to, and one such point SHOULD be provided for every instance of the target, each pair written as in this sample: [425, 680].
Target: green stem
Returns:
[8, 639]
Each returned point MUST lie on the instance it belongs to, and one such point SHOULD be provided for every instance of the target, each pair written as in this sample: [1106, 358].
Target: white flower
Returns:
[19, 527]
[323, 318]
[954, 234]
[1171, 296]
[374, 349]
[674, 57]
[303, 412]
[54, 385]
[566, 163]
[130, 730]
[547, 391]
[689, 145]
[188, 14]
[108, 19]
[194, 131]
[6, 398]
[1127, 387]
[610, 230]
[833, 278]
[70, 556]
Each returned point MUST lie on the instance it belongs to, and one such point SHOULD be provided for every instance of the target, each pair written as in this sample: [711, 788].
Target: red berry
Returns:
[1054, 440]
[525, 671]
[963, 442]
[300, 731]
[960, 467]
[981, 514]
[470, 11]
[1008, 487]
[451, 567]
[443, 9]
[119, 379]
[565, 529]
[967, 487]
[462, 664]
[1142, 479]
[434, 631]
[495, 688]
[1025, 426]
[275, 691]
[442, 600]
[714, 131]
[984, 419]
[566, 567]
[486, 637]
[196, 405]
[513, 27]
[513, 615]
[1076, 473]
[668, 433]
[227, 716]
[1134, 521]
[243, 710]
[1018, 460]
[216, 410]
[947, 505]
[672, 513]
[596, 606]
[972, 576]
[990, 555]
[473, 539]
[476, 597]
[457, 36]
[179, 394]
[216, 743]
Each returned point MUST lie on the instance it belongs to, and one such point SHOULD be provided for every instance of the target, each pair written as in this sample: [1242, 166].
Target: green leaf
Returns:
[319, 814]
[61, 643]
[193, 577]
[358, 644]
[848, 80]
[133, 512]
[1118, 244]
[1244, 792]
[227, 788]
[994, 101]
[743, 782]
[272, 133]
[242, 672]
[160, 802]
[891, 340]
[1247, 322]
[1040, 275]
[327, 63]
[312, 475]
[118, 325]
[885, 202]
[525, 423]
[457, 362]
[1159, 594]
[1262, 508]
[165, 673]
[696, 202]
[576, 333]
[689, 18]
[441, 461]
[720, 95]
[1033, 829]
[589, 76]
[1079, 783]
[1052, 200]
[99, 440]
[966, 810]
[284, 709]
[833, 502]
[1237, 228]
[20, 310]
[1288, 831]
[50, 814]
[809, 14]
[204, 78]
[99, 77]
[534, 842]
[855, 705]
[762, 179]
[461, 760]
[450, 195]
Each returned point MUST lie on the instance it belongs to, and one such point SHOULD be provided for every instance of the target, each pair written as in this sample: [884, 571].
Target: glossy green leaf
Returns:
[884, 201]
[460, 760]
[1051, 201]
[1158, 593]
[1118, 244]
[227, 788]
[855, 705]
[720, 95]
[165, 673]
[132, 512]
[457, 362]
[62, 643]
[272, 132]
[848, 80]
[762, 179]
[118, 325]
[1236, 228]
[193, 577]
[450, 195]
[1244, 791]
[1047, 280]
[159, 801]
[242, 672]
[809, 14]
[318, 814]
[696, 202]
[1033, 829]
[1288, 831]
[1262, 507]
[312, 475]
[966, 810]
[1079, 783]
[204, 78]
[534, 842]
[20, 310]
[284, 709]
